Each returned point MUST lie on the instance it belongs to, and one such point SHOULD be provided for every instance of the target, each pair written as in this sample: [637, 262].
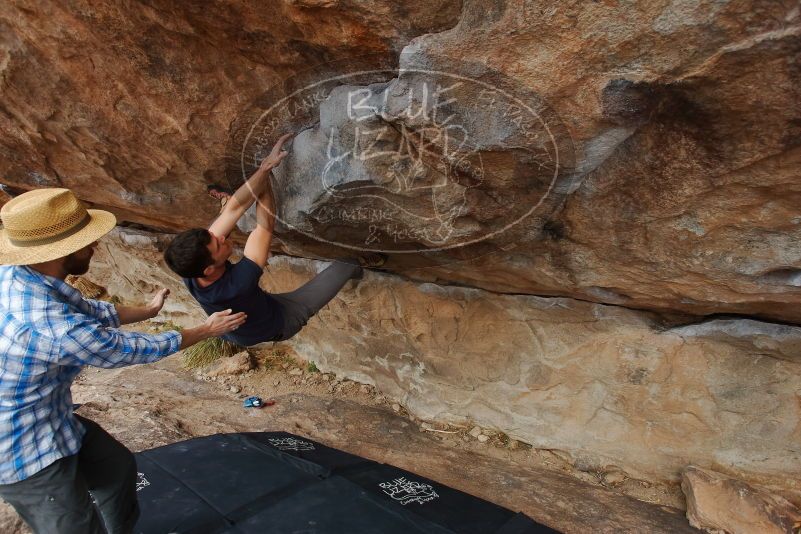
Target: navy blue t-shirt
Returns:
[238, 289]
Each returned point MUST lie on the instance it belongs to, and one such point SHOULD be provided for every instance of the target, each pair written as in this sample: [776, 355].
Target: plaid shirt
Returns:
[48, 332]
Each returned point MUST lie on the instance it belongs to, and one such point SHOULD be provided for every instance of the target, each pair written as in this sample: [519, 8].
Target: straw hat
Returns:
[46, 224]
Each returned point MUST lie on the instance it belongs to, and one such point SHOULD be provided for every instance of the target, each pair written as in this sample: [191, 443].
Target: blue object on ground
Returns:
[253, 402]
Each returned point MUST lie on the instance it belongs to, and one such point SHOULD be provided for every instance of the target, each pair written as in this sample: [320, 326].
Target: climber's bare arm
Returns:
[239, 203]
[244, 197]
[257, 247]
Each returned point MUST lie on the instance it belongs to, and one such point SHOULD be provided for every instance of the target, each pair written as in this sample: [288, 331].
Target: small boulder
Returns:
[719, 502]
[237, 364]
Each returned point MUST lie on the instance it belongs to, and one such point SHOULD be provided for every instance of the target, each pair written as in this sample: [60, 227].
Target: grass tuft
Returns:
[209, 350]
[275, 357]
[312, 368]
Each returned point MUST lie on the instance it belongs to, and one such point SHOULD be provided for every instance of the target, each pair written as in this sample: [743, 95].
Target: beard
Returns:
[77, 263]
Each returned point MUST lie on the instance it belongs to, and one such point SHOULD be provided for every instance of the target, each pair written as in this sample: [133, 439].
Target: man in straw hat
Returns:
[51, 458]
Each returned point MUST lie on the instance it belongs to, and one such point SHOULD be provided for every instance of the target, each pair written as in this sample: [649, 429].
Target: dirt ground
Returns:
[152, 405]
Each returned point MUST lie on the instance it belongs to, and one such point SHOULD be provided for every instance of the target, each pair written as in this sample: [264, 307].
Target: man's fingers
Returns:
[224, 321]
[236, 320]
[281, 141]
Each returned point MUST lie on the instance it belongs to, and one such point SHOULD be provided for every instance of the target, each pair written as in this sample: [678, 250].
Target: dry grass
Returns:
[276, 358]
[209, 350]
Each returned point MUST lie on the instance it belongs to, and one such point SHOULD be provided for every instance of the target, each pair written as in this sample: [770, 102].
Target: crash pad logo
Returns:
[408, 491]
[291, 444]
[405, 160]
[141, 482]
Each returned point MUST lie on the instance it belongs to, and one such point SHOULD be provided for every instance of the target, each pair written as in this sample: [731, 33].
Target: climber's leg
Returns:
[303, 303]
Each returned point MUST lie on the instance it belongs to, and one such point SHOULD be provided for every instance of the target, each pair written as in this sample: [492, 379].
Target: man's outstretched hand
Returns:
[276, 155]
[222, 322]
[218, 324]
[134, 314]
[158, 301]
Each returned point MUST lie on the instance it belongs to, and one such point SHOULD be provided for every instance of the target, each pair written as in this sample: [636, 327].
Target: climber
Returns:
[200, 256]
[50, 457]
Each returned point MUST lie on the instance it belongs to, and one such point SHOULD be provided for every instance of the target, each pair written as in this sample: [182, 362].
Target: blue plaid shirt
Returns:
[48, 332]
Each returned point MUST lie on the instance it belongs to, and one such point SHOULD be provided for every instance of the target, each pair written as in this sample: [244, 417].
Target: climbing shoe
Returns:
[372, 260]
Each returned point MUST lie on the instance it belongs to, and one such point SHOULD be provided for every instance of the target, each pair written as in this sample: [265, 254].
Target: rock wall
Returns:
[130, 105]
[640, 158]
[611, 388]
[670, 176]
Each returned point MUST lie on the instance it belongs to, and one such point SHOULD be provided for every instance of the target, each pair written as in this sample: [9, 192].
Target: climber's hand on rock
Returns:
[276, 155]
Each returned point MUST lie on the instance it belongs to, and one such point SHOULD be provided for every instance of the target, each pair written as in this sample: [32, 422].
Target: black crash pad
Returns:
[275, 482]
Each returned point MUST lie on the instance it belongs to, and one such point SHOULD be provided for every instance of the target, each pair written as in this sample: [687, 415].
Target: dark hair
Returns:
[188, 254]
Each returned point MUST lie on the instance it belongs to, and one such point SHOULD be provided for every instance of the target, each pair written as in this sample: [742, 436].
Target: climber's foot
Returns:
[372, 260]
[219, 192]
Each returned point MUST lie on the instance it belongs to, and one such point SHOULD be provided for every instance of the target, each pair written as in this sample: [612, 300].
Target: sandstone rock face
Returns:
[130, 105]
[132, 267]
[237, 364]
[652, 160]
[679, 205]
[4, 197]
[716, 502]
[614, 389]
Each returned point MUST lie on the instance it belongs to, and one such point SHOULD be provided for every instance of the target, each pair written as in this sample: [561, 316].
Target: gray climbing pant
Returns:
[303, 303]
[56, 500]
